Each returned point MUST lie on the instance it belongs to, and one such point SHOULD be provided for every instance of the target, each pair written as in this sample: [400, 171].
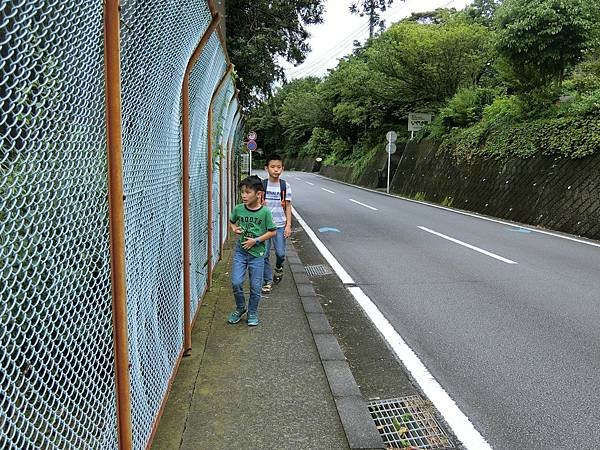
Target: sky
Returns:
[334, 38]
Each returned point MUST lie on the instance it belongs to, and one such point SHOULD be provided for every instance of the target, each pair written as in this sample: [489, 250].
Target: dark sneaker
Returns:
[236, 316]
[252, 319]
[267, 288]
[277, 274]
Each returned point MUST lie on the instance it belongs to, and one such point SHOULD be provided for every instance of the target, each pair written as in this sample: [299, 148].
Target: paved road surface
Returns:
[507, 321]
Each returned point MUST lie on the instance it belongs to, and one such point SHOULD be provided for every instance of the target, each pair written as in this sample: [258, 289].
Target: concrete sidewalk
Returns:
[269, 386]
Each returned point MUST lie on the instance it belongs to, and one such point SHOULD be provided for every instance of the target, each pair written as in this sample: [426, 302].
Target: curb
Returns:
[358, 425]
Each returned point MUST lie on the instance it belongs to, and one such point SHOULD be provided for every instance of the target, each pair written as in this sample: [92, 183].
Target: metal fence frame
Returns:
[226, 141]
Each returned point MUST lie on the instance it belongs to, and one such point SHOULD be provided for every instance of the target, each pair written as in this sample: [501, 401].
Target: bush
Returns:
[465, 108]
[504, 111]
[571, 137]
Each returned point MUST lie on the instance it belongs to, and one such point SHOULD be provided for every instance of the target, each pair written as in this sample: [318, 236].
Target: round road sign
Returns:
[390, 147]
[391, 136]
[252, 136]
[251, 145]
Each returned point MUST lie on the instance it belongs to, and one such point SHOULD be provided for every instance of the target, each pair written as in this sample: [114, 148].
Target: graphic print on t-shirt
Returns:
[273, 201]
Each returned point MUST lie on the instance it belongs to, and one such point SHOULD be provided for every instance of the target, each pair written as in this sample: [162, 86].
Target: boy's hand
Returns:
[237, 230]
[248, 244]
[287, 232]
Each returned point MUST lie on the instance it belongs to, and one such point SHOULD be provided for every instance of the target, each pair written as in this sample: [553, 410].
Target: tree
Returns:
[424, 65]
[541, 39]
[370, 8]
[260, 33]
[482, 11]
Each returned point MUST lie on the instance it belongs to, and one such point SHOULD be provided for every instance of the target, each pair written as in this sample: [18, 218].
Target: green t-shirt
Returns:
[254, 224]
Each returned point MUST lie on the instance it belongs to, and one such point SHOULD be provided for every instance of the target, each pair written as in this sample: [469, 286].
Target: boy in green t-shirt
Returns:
[254, 224]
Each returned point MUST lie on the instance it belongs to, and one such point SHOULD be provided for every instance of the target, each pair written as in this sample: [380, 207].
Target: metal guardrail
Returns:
[96, 209]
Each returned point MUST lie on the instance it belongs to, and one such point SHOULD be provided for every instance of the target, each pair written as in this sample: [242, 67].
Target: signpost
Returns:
[416, 122]
[251, 146]
[391, 137]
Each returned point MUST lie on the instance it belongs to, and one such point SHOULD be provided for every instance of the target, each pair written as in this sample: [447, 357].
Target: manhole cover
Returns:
[408, 422]
[317, 270]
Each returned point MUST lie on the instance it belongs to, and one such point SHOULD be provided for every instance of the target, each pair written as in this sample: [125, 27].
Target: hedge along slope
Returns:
[564, 136]
[557, 193]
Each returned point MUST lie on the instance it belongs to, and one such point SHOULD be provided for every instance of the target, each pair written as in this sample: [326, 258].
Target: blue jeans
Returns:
[279, 244]
[242, 262]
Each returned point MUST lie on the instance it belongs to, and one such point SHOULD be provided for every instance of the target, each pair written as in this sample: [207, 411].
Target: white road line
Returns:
[362, 204]
[327, 190]
[472, 247]
[346, 279]
[299, 179]
[308, 182]
[456, 419]
[465, 213]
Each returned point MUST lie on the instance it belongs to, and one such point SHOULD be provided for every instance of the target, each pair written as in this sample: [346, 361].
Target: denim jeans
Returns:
[254, 265]
[279, 245]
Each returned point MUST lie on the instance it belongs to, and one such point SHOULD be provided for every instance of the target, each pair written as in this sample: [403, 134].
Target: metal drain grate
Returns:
[407, 422]
[317, 270]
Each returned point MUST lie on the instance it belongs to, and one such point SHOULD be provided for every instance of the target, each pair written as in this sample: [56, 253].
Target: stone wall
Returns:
[559, 194]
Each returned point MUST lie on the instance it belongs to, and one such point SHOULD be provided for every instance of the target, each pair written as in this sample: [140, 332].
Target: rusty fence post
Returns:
[210, 170]
[185, 176]
[112, 74]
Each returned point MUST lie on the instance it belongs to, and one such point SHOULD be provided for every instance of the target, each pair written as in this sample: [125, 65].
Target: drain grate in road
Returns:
[407, 422]
[317, 270]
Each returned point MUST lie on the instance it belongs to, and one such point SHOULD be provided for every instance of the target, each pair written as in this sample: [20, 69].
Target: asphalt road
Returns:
[513, 335]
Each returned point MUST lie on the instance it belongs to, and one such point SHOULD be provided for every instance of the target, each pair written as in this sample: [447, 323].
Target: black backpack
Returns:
[282, 186]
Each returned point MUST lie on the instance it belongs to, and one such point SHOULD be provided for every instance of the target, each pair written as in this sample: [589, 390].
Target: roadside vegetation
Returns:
[501, 78]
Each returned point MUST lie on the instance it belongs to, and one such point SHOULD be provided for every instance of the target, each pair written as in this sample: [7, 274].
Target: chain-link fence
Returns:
[57, 356]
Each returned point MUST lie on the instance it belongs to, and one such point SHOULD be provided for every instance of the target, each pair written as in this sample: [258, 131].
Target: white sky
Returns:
[333, 38]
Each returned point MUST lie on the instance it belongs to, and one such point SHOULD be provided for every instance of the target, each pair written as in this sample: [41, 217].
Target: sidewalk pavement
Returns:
[284, 384]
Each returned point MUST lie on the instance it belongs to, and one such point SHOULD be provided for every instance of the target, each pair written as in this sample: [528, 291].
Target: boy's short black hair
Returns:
[252, 182]
[273, 157]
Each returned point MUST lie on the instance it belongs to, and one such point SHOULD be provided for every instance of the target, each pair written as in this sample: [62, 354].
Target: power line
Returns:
[317, 65]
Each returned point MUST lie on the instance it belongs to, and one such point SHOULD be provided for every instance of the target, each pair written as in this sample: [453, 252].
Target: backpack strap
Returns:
[282, 186]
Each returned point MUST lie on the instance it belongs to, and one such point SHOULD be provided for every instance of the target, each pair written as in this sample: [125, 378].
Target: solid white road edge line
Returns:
[327, 190]
[456, 419]
[362, 204]
[465, 213]
[335, 265]
[472, 247]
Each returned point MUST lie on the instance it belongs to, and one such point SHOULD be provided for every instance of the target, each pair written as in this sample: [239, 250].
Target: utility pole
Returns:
[371, 18]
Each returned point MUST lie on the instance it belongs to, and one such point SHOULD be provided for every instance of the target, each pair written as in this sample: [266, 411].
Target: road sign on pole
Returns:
[252, 136]
[251, 145]
[391, 137]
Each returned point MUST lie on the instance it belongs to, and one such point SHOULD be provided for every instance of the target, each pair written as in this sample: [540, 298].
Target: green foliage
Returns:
[302, 110]
[321, 142]
[541, 39]
[410, 56]
[558, 137]
[260, 33]
[482, 11]
[462, 110]
[491, 75]
[504, 111]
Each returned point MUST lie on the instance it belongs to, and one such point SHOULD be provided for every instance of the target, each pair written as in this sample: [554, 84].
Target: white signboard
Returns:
[245, 163]
[416, 121]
